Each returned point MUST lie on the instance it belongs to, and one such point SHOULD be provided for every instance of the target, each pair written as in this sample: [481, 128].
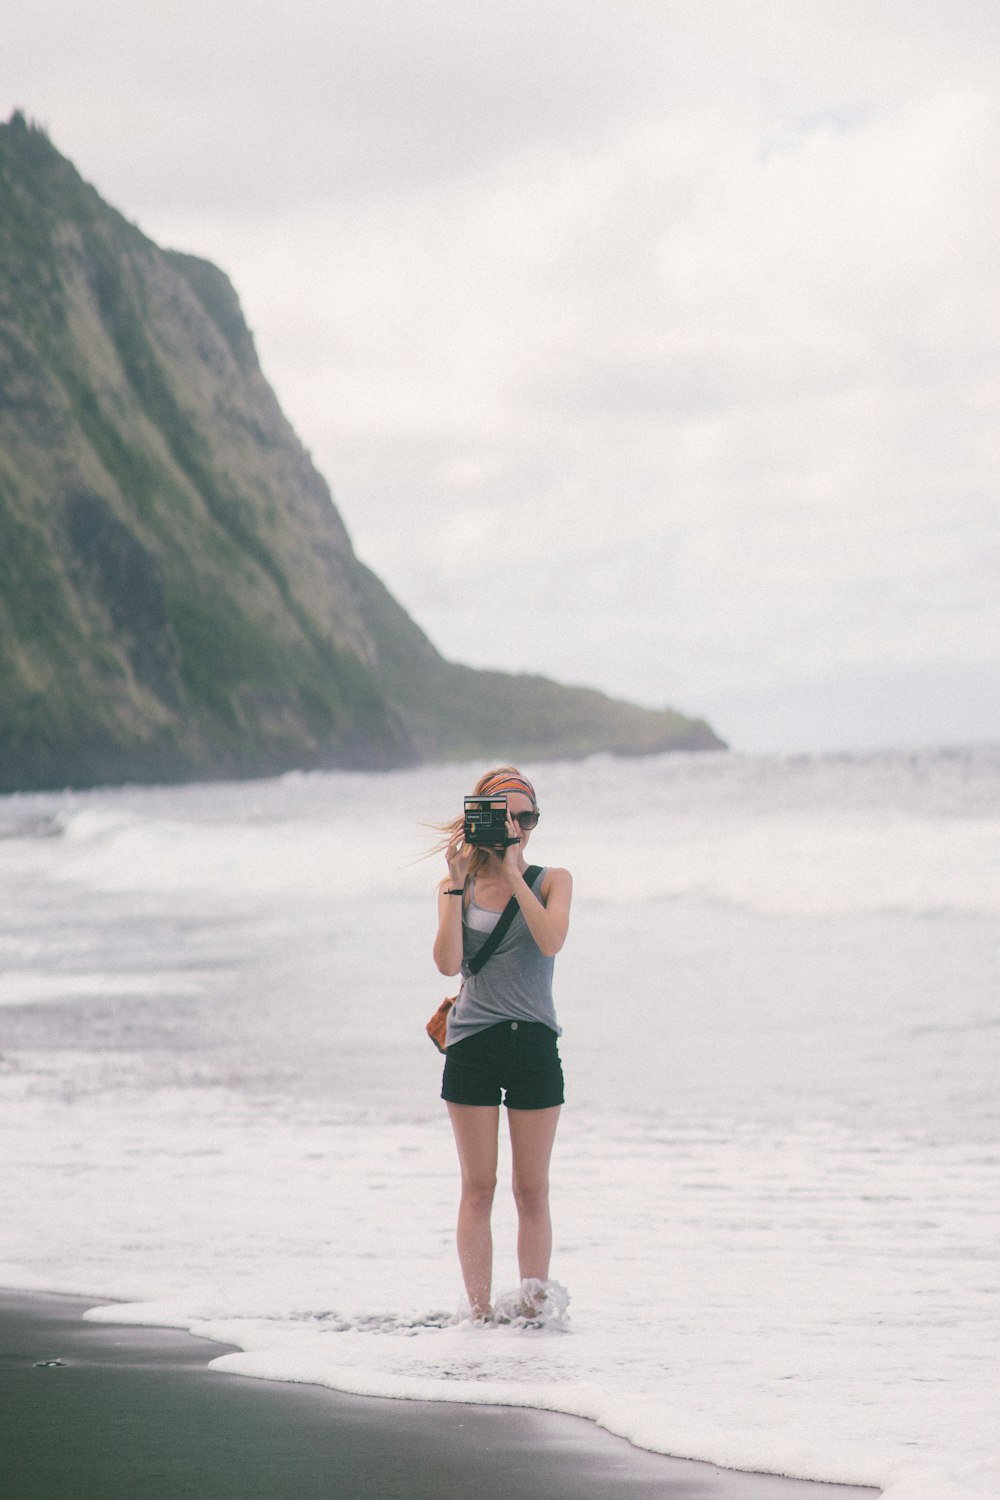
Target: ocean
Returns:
[775, 1186]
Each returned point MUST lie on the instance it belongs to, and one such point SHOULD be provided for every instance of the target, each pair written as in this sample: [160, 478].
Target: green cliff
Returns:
[179, 598]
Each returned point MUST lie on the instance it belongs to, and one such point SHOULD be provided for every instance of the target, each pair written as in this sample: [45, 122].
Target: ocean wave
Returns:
[30, 826]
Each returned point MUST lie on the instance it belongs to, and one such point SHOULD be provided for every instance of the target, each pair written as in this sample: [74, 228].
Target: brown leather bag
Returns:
[437, 1026]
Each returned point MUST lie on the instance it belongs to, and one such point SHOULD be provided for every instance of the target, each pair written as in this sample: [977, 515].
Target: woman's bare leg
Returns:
[532, 1134]
[476, 1127]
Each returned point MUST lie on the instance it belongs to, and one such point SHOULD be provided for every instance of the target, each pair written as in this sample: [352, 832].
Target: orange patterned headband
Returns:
[509, 784]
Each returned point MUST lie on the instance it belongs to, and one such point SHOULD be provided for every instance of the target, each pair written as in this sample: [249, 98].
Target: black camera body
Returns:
[486, 823]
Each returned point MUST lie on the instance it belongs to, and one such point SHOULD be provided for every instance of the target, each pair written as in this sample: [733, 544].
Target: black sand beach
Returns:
[93, 1411]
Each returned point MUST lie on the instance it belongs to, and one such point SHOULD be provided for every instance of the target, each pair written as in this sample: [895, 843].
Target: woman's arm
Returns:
[548, 918]
[448, 942]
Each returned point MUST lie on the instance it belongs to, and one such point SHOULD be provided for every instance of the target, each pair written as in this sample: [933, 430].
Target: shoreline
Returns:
[107, 1411]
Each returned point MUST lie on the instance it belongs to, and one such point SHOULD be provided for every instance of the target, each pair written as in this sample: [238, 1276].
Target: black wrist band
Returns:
[457, 891]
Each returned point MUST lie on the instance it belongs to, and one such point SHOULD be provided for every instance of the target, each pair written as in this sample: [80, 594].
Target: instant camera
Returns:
[486, 823]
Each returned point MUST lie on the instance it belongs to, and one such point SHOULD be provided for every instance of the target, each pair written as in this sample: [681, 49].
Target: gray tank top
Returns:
[514, 985]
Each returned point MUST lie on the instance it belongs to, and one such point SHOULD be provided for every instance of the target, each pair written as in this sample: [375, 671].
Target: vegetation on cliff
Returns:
[179, 597]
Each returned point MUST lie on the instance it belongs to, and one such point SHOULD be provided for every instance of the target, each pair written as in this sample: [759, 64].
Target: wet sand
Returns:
[96, 1411]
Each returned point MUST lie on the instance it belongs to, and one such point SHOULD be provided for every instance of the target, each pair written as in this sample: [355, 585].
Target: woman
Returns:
[502, 1037]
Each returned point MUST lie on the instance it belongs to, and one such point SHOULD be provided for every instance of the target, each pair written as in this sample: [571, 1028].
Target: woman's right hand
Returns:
[459, 857]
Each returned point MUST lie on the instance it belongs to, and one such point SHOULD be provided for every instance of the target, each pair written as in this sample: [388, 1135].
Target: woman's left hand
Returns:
[510, 857]
[545, 910]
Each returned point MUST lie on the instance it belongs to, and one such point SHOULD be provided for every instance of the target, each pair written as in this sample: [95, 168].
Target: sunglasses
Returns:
[526, 820]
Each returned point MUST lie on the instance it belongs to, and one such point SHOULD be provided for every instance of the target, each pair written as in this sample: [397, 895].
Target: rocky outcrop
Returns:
[179, 597]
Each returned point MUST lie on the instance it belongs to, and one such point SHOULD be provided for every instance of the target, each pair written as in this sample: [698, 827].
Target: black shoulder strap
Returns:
[499, 932]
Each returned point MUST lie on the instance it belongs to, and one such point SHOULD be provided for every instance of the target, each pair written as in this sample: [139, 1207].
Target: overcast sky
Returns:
[647, 345]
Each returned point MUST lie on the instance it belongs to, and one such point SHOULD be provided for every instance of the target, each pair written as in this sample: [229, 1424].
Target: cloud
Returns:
[685, 315]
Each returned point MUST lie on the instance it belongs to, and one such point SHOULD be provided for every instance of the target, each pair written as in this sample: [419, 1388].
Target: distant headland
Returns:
[179, 597]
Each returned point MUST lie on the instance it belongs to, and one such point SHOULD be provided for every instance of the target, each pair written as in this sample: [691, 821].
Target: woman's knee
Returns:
[531, 1198]
[478, 1193]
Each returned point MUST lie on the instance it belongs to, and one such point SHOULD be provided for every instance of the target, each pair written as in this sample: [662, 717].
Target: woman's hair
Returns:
[502, 779]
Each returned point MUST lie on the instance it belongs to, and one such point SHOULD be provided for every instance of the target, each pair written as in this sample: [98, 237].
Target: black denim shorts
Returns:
[516, 1059]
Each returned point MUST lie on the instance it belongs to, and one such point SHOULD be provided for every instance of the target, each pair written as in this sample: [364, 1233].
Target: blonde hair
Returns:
[484, 787]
